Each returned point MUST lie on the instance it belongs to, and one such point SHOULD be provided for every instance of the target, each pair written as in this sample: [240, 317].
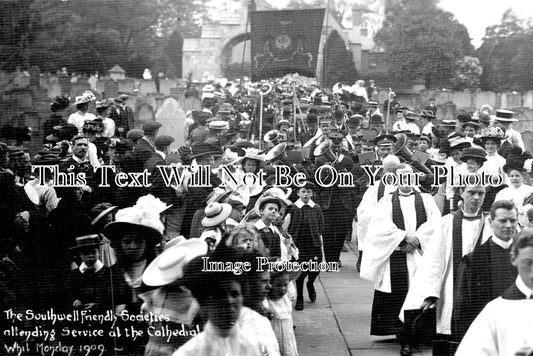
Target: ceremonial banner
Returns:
[285, 42]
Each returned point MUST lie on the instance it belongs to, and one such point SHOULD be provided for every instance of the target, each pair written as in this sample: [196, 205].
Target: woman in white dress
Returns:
[518, 190]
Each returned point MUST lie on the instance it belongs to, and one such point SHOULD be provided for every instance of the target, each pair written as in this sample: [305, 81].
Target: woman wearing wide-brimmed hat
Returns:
[135, 235]
[519, 190]
[93, 286]
[214, 222]
[82, 105]
[221, 296]
[491, 140]
[170, 299]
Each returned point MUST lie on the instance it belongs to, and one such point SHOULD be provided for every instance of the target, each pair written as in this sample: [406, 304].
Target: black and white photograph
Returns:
[266, 177]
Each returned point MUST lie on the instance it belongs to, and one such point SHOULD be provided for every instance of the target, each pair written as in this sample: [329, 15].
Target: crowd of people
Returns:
[138, 244]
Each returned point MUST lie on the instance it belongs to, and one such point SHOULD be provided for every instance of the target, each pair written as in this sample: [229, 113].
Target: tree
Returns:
[467, 73]
[93, 35]
[339, 65]
[422, 42]
[505, 54]
[511, 24]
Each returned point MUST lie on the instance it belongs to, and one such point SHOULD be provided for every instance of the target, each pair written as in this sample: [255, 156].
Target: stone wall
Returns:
[449, 103]
[22, 104]
[29, 105]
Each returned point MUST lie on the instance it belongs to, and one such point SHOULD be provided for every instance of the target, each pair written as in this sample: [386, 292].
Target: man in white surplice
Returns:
[373, 194]
[395, 238]
[435, 280]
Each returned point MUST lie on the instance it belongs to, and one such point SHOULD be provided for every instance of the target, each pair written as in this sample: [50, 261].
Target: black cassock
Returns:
[386, 306]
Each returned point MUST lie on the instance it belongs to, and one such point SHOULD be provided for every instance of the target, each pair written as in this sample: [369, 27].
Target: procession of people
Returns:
[458, 255]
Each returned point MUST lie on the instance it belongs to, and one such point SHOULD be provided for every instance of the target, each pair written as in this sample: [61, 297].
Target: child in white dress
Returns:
[281, 309]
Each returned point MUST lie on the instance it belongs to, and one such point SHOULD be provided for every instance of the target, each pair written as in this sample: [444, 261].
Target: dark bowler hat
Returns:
[505, 116]
[311, 119]
[474, 153]
[163, 140]
[203, 149]
[124, 97]
[338, 114]
[150, 127]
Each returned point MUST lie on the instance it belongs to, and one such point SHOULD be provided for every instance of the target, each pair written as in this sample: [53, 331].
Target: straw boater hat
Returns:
[142, 218]
[409, 115]
[101, 210]
[168, 266]
[215, 214]
[505, 116]
[86, 242]
[448, 123]
[459, 143]
[265, 199]
[275, 151]
[273, 195]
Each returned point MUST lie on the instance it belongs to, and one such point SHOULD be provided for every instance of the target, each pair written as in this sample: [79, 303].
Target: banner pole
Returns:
[260, 119]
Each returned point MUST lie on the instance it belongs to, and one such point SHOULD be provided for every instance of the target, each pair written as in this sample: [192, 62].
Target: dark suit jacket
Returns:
[152, 162]
[335, 195]
[491, 274]
[142, 153]
[123, 118]
[316, 226]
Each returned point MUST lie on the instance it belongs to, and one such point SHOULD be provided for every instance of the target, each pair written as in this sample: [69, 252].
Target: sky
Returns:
[476, 15]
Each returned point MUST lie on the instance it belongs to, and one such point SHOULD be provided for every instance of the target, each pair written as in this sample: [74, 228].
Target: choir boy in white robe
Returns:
[372, 195]
[456, 237]
[395, 241]
[505, 325]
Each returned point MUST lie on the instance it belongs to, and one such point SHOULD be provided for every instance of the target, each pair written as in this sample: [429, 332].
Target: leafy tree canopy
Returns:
[93, 35]
[422, 41]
